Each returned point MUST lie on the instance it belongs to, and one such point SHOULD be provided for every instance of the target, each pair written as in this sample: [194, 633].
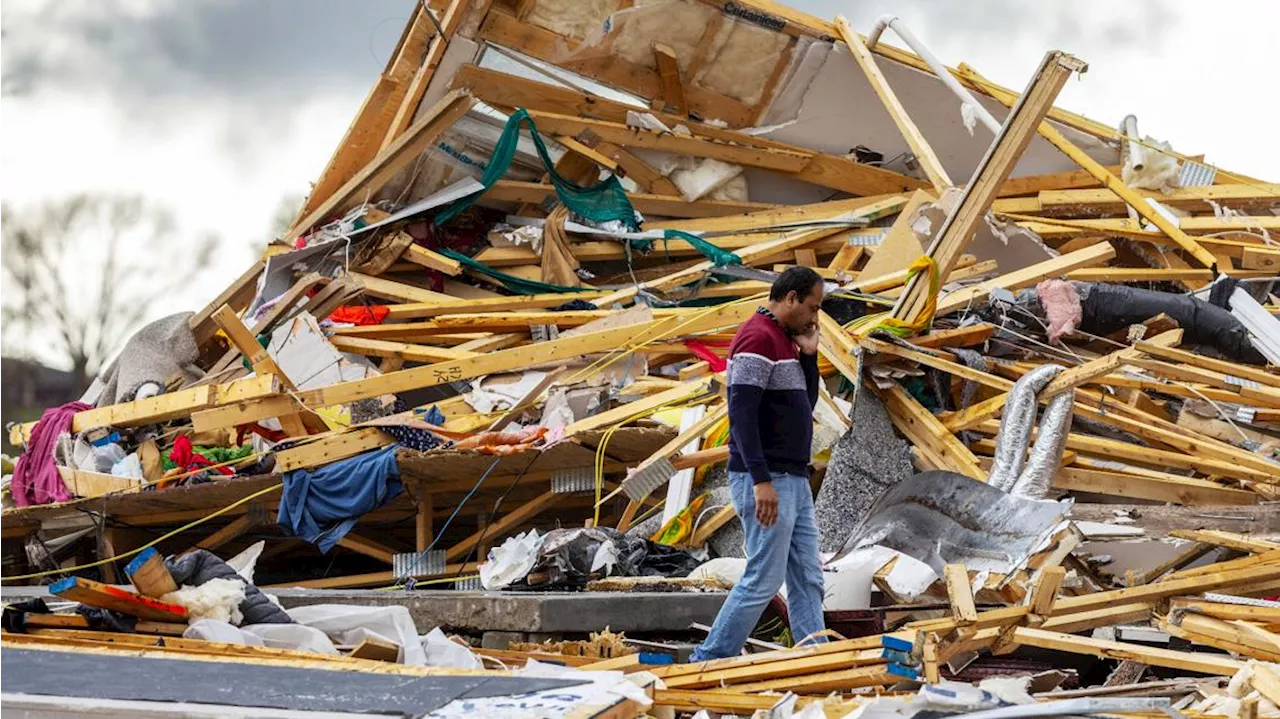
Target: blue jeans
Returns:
[788, 551]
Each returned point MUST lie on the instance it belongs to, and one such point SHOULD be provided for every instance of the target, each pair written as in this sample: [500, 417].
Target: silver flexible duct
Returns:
[1011, 471]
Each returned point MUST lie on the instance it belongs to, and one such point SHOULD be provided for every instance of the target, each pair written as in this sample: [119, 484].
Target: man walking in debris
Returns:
[773, 387]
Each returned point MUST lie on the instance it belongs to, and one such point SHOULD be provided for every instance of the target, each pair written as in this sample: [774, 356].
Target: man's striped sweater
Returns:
[773, 388]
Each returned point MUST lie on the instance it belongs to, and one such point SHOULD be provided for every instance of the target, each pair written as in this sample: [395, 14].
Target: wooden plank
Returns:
[367, 547]
[84, 483]
[503, 526]
[669, 77]
[804, 663]
[1066, 380]
[1187, 661]
[97, 594]
[331, 448]
[522, 357]
[400, 350]
[1067, 180]
[695, 387]
[263, 363]
[694, 146]
[1045, 592]
[1230, 540]
[924, 154]
[388, 163]
[900, 247]
[927, 432]
[417, 86]
[960, 593]
[228, 533]
[826, 682]
[665, 206]
[1028, 276]
[420, 255]
[376, 650]
[518, 303]
[1231, 369]
[237, 295]
[149, 574]
[1115, 188]
[996, 166]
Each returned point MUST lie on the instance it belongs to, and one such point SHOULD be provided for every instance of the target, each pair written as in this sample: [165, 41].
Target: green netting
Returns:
[516, 284]
[718, 255]
[602, 202]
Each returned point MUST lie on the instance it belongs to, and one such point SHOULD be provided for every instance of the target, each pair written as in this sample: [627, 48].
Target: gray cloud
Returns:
[264, 51]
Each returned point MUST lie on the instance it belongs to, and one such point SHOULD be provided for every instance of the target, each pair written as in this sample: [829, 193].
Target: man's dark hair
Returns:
[799, 280]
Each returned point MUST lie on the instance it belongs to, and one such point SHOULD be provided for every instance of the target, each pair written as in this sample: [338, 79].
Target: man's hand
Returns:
[766, 504]
[808, 341]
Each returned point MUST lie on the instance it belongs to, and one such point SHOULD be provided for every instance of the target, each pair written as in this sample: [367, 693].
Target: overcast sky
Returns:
[219, 109]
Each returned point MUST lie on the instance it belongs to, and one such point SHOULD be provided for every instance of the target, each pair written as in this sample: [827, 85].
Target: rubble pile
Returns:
[489, 353]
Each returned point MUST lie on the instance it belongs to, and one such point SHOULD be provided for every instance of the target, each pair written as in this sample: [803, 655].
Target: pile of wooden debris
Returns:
[532, 337]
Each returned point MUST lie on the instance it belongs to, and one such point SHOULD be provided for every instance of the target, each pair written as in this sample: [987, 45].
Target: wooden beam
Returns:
[915, 139]
[1045, 592]
[927, 432]
[228, 532]
[509, 521]
[417, 86]
[1116, 186]
[981, 191]
[388, 163]
[1231, 540]
[520, 357]
[367, 547]
[293, 423]
[420, 255]
[331, 448]
[401, 350]
[1187, 661]
[669, 76]
[666, 206]
[1027, 276]
[960, 593]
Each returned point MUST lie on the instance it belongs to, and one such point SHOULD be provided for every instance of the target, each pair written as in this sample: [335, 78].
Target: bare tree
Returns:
[82, 273]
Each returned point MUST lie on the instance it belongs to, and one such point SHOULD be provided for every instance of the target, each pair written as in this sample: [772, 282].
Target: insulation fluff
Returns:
[1149, 166]
[1061, 303]
[215, 599]
[573, 18]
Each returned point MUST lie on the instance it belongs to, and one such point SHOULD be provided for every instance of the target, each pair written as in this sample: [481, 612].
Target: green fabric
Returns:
[264, 339]
[718, 255]
[217, 455]
[516, 284]
[602, 202]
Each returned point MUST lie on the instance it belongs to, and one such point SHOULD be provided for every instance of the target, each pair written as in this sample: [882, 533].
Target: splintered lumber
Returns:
[149, 574]
[996, 166]
[915, 139]
[826, 682]
[1187, 661]
[522, 357]
[417, 86]
[376, 650]
[960, 593]
[1028, 276]
[1066, 380]
[517, 303]
[391, 160]
[928, 434]
[106, 596]
[420, 255]
[162, 407]
[332, 447]
[1115, 185]
[1047, 581]
[1231, 540]
[767, 671]
[1235, 636]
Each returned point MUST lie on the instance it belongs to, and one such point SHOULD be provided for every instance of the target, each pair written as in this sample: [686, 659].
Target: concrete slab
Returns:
[530, 612]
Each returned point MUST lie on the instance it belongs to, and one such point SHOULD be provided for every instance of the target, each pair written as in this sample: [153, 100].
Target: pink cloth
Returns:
[1061, 305]
[35, 475]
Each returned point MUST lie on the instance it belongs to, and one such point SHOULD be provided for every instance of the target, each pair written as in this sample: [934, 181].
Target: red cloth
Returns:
[35, 475]
[702, 351]
[361, 315]
[189, 460]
